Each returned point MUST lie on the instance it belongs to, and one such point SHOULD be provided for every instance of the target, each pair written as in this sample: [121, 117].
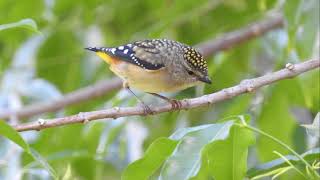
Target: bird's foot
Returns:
[146, 109]
[175, 104]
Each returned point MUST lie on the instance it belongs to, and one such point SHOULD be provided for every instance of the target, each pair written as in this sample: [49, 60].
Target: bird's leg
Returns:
[176, 104]
[146, 108]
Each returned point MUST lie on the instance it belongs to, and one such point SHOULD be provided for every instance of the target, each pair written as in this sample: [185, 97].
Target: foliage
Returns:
[278, 165]
[199, 152]
[25, 23]
[42, 58]
[8, 132]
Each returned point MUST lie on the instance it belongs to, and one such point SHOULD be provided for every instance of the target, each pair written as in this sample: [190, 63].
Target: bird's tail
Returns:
[94, 49]
[107, 54]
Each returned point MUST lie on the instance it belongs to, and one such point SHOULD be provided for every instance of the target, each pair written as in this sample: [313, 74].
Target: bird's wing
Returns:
[155, 51]
[128, 53]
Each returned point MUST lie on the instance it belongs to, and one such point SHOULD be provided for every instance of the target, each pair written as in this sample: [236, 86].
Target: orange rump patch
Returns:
[108, 59]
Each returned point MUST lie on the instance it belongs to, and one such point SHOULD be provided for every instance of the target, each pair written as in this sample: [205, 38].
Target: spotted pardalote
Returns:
[156, 65]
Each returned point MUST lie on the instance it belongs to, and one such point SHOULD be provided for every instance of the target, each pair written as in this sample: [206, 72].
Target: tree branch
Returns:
[245, 86]
[208, 48]
[84, 94]
[229, 40]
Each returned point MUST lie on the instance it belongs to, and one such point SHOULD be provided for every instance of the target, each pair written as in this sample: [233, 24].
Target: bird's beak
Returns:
[94, 49]
[205, 79]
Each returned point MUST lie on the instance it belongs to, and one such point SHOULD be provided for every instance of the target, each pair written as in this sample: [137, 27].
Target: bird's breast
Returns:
[153, 81]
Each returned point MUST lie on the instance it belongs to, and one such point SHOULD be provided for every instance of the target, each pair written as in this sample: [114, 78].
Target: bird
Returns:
[156, 66]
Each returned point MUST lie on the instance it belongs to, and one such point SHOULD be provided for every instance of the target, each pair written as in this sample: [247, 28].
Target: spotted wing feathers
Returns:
[127, 53]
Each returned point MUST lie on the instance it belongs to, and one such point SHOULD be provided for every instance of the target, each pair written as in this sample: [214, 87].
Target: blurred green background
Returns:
[40, 67]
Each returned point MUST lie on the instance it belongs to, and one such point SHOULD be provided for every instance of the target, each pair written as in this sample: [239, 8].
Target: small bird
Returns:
[155, 66]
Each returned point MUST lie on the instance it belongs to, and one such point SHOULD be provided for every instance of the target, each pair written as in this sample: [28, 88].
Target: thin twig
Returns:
[208, 48]
[97, 90]
[245, 86]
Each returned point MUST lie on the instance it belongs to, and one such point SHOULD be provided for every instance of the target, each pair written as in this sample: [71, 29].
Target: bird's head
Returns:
[196, 65]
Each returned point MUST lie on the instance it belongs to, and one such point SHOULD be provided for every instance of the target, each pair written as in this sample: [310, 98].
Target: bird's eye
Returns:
[190, 73]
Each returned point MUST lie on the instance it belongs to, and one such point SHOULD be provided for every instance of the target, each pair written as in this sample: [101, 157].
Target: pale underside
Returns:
[152, 81]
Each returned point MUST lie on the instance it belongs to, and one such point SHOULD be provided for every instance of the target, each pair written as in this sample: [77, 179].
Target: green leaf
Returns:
[36, 156]
[267, 168]
[62, 67]
[10, 133]
[228, 159]
[211, 150]
[313, 129]
[276, 118]
[155, 155]
[12, 11]
[182, 132]
[292, 12]
[185, 161]
[67, 175]
[308, 29]
[311, 90]
[302, 26]
[239, 104]
[24, 23]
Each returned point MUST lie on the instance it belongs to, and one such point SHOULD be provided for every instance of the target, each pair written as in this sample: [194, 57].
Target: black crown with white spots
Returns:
[127, 54]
